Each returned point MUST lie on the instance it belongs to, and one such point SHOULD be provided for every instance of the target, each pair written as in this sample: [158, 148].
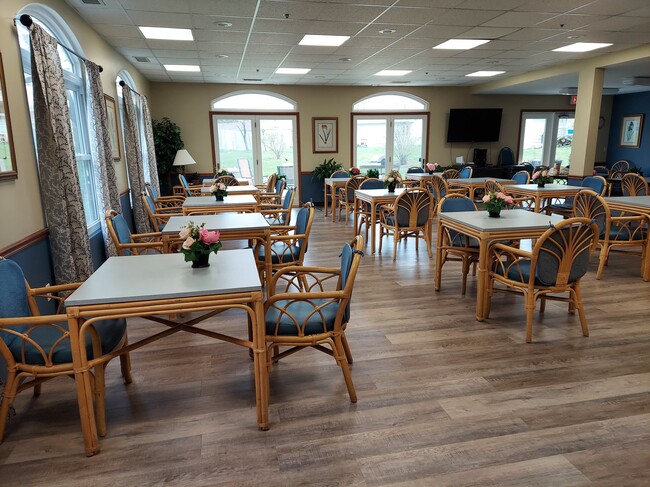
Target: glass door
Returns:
[389, 142]
[546, 138]
[253, 147]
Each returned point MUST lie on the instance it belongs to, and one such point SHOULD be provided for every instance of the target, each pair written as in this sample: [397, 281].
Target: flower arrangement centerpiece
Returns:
[392, 179]
[431, 167]
[373, 173]
[495, 202]
[354, 171]
[541, 178]
[219, 190]
[198, 244]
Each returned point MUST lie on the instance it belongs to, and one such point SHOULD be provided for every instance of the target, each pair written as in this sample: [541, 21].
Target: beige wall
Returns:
[20, 208]
[188, 105]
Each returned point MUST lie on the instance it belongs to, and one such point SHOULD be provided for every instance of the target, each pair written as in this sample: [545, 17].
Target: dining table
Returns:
[472, 184]
[374, 198]
[235, 190]
[540, 194]
[165, 290]
[208, 204]
[330, 188]
[516, 224]
[638, 205]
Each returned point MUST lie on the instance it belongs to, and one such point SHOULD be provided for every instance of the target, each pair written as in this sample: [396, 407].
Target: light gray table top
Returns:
[420, 175]
[547, 187]
[223, 222]
[478, 180]
[201, 201]
[509, 220]
[167, 276]
[643, 201]
[330, 181]
[242, 188]
[378, 193]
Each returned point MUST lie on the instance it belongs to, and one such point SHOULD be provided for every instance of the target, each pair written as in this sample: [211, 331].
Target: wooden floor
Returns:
[443, 399]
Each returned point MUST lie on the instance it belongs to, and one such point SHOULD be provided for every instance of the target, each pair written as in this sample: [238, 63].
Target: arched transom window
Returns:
[253, 101]
[393, 101]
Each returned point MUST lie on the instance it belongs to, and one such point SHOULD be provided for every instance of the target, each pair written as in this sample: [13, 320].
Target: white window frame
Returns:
[293, 108]
[421, 101]
[552, 121]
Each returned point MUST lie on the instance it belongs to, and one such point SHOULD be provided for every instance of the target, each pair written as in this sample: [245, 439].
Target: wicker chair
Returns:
[346, 195]
[274, 198]
[619, 169]
[466, 172]
[525, 202]
[280, 214]
[613, 231]
[310, 307]
[557, 262]
[288, 243]
[455, 246]
[415, 170]
[157, 220]
[269, 186]
[227, 180]
[164, 203]
[439, 188]
[409, 216]
[565, 207]
[451, 174]
[194, 190]
[127, 243]
[36, 348]
[634, 184]
[521, 177]
[363, 209]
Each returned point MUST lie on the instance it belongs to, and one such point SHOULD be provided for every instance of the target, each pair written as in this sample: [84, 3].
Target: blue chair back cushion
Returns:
[464, 173]
[153, 192]
[506, 157]
[458, 204]
[341, 175]
[347, 255]
[520, 178]
[152, 207]
[372, 184]
[594, 183]
[548, 264]
[13, 297]
[415, 170]
[301, 222]
[287, 199]
[183, 180]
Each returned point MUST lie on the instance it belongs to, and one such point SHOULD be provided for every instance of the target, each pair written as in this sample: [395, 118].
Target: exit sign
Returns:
[573, 99]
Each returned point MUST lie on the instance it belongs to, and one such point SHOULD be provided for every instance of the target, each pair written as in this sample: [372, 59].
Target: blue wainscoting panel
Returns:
[630, 104]
[97, 249]
[310, 190]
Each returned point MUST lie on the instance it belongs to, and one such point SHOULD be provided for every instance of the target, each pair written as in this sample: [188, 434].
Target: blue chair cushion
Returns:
[623, 233]
[280, 253]
[562, 206]
[110, 333]
[460, 240]
[13, 296]
[318, 322]
[519, 274]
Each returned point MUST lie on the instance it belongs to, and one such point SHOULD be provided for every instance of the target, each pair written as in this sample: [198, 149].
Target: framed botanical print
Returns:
[325, 134]
[631, 128]
[113, 132]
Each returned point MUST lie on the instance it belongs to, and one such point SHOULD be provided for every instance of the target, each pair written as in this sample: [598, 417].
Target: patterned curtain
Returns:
[103, 169]
[134, 163]
[60, 190]
[151, 150]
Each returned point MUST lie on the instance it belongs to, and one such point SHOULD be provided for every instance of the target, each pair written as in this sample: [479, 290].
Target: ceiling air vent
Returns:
[141, 59]
[637, 80]
[252, 79]
[93, 2]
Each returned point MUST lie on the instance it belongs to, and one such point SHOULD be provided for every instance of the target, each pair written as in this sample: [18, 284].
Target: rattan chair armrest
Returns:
[170, 198]
[147, 235]
[629, 218]
[511, 250]
[35, 291]
[33, 320]
[143, 245]
[303, 297]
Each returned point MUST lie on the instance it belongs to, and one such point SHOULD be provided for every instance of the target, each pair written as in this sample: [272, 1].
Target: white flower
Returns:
[390, 180]
[213, 188]
[188, 243]
[184, 233]
[486, 198]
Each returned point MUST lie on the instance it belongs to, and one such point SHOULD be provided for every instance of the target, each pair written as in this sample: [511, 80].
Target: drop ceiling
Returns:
[264, 36]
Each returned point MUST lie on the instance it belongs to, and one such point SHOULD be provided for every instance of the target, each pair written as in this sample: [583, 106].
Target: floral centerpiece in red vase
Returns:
[495, 202]
[198, 244]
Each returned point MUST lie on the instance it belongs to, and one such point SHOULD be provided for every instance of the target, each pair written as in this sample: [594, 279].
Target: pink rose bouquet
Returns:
[431, 166]
[198, 240]
[219, 189]
[541, 177]
[495, 202]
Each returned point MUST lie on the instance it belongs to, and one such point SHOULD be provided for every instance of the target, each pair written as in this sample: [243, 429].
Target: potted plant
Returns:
[541, 178]
[354, 171]
[495, 202]
[392, 179]
[325, 169]
[198, 244]
[219, 190]
[373, 173]
[167, 141]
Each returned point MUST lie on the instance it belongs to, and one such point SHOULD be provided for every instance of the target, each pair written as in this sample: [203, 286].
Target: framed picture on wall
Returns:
[325, 134]
[631, 130]
[113, 132]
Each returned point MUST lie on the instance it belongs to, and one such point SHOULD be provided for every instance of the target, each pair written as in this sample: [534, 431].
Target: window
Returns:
[392, 135]
[546, 138]
[75, 83]
[260, 142]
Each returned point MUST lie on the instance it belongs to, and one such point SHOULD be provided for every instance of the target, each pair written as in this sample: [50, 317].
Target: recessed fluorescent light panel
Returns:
[393, 72]
[292, 70]
[182, 67]
[583, 47]
[461, 44]
[322, 40]
[167, 33]
[484, 74]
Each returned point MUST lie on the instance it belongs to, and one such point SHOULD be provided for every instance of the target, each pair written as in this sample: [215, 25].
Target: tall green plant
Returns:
[167, 140]
[325, 169]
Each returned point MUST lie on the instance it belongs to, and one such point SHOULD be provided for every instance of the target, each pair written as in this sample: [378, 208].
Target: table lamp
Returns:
[183, 158]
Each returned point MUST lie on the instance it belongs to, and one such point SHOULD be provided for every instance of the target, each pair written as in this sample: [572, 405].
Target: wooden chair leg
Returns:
[125, 364]
[530, 310]
[395, 242]
[604, 251]
[346, 347]
[487, 305]
[100, 398]
[581, 309]
[7, 400]
[542, 304]
[37, 390]
[464, 272]
[339, 354]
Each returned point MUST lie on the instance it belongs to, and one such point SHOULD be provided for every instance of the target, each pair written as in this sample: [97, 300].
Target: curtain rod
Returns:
[27, 21]
[122, 83]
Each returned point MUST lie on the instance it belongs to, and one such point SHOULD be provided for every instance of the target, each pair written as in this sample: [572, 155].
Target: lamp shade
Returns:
[183, 158]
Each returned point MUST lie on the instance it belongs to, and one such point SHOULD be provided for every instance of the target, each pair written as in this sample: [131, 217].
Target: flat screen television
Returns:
[474, 124]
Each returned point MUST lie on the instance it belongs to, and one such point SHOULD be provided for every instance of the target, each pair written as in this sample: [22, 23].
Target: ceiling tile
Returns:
[153, 19]
[466, 17]
[618, 23]
[418, 16]
[570, 21]
[239, 24]
[552, 6]
[108, 30]
[492, 4]
[171, 6]
[488, 32]
[106, 15]
[611, 7]
[517, 19]
[240, 8]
